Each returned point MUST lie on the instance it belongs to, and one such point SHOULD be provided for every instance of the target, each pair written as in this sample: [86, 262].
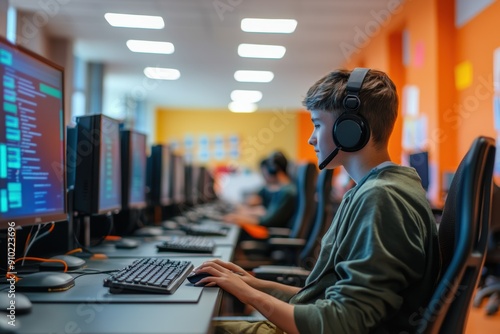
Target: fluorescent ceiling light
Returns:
[253, 76]
[162, 73]
[134, 21]
[242, 107]
[150, 46]
[261, 51]
[248, 96]
[279, 26]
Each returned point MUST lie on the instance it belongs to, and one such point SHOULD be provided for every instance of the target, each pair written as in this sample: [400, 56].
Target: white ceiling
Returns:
[206, 41]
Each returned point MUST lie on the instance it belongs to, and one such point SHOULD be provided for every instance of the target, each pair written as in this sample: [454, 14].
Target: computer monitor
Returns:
[178, 179]
[195, 180]
[202, 185]
[193, 186]
[420, 161]
[133, 155]
[209, 193]
[189, 192]
[32, 144]
[159, 178]
[98, 172]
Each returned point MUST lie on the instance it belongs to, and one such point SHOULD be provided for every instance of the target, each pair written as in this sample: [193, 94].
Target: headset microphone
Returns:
[329, 158]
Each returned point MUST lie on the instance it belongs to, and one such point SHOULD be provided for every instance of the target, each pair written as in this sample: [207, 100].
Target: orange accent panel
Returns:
[305, 152]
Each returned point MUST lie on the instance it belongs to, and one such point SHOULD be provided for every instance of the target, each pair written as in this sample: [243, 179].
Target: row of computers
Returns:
[53, 173]
[107, 168]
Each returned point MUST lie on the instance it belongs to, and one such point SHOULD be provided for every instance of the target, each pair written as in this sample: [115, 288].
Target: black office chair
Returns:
[259, 252]
[305, 179]
[490, 287]
[463, 236]
[296, 275]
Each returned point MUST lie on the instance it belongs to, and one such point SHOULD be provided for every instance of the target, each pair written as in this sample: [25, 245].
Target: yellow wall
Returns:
[259, 133]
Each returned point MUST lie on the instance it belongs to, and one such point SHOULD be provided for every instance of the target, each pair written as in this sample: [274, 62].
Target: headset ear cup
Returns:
[270, 166]
[350, 132]
[271, 169]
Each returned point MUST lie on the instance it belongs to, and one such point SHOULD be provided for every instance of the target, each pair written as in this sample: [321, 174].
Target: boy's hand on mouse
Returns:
[244, 275]
[229, 277]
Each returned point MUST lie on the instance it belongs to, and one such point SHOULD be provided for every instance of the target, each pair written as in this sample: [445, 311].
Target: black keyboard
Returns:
[154, 275]
[206, 230]
[187, 244]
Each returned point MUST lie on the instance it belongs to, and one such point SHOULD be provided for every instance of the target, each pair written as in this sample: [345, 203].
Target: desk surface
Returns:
[95, 316]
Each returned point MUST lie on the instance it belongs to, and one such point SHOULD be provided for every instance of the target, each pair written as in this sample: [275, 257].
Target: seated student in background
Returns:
[379, 260]
[273, 205]
[255, 203]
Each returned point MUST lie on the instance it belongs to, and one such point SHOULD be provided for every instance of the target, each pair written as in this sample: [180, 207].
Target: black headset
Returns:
[351, 131]
[271, 167]
[276, 161]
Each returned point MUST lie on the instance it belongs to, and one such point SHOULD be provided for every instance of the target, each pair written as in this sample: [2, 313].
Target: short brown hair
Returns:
[379, 100]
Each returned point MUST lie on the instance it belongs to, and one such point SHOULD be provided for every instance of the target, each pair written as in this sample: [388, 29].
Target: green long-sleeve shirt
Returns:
[379, 260]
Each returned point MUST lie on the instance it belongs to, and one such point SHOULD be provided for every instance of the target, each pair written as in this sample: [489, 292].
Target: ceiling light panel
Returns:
[150, 46]
[242, 107]
[160, 73]
[261, 51]
[248, 96]
[134, 21]
[253, 76]
[277, 26]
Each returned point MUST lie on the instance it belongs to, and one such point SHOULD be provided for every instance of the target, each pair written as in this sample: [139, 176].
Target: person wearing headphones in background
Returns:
[274, 204]
[379, 260]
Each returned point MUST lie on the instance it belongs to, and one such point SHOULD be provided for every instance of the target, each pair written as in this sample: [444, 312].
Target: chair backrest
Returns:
[306, 175]
[321, 217]
[463, 236]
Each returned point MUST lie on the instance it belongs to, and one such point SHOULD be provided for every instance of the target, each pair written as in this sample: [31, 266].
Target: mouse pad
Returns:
[146, 249]
[90, 289]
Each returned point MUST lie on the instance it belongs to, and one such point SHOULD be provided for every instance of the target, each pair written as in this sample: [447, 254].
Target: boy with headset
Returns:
[379, 260]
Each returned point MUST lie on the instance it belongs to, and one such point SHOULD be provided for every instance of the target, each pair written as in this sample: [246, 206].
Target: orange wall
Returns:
[430, 26]
[455, 116]
[476, 42]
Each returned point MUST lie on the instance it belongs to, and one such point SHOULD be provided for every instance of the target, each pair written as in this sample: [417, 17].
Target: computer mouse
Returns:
[169, 225]
[125, 243]
[148, 231]
[196, 277]
[14, 301]
[45, 281]
[73, 262]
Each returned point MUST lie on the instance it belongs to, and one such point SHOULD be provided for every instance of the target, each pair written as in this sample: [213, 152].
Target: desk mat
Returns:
[90, 289]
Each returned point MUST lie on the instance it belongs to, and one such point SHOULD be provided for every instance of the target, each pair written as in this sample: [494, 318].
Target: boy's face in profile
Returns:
[321, 137]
